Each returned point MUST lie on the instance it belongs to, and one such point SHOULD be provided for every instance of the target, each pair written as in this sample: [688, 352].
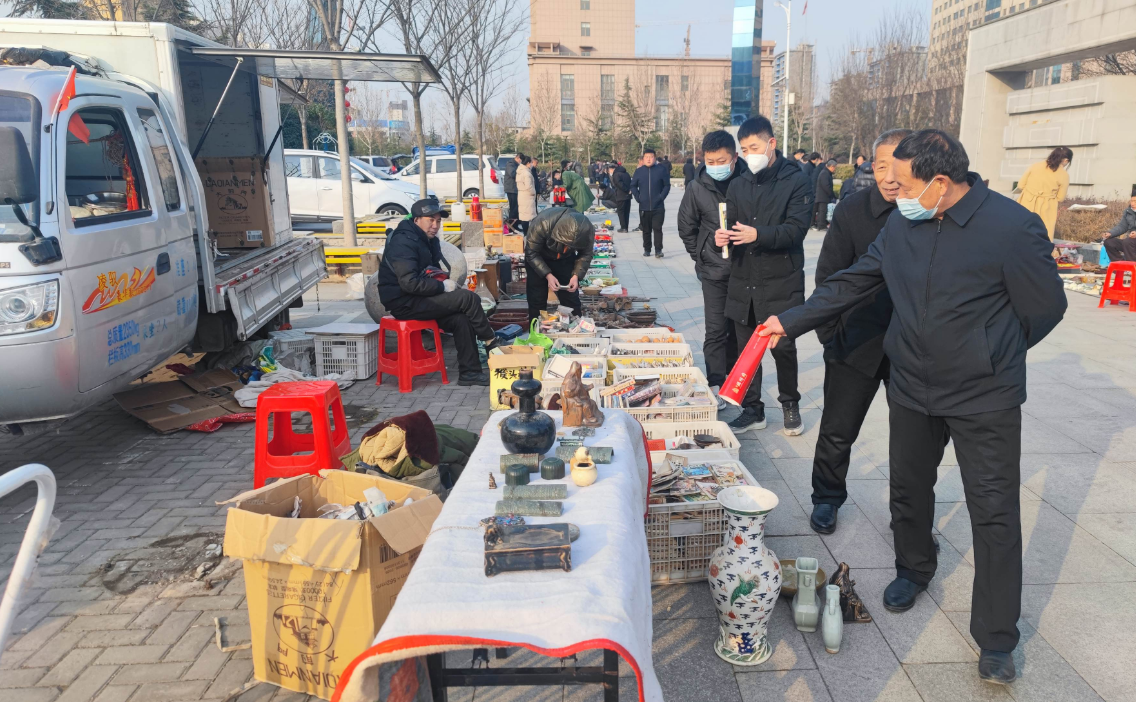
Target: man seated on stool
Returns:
[1120, 241]
[408, 290]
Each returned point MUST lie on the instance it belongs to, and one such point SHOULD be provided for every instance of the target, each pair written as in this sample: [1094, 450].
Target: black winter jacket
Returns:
[824, 189]
[509, 180]
[401, 274]
[768, 276]
[971, 292]
[651, 185]
[857, 337]
[689, 171]
[698, 220]
[620, 184]
[861, 180]
[557, 233]
[1126, 224]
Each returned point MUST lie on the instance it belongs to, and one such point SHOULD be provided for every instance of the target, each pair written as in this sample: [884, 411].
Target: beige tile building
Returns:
[582, 62]
[951, 20]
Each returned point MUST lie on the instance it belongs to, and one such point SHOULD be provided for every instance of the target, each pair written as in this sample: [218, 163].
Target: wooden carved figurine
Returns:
[851, 605]
[580, 410]
[492, 482]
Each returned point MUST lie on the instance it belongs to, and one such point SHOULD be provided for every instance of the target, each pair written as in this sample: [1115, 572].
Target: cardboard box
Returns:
[237, 202]
[505, 367]
[493, 218]
[495, 239]
[513, 244]
[318, 590]
[178, 403]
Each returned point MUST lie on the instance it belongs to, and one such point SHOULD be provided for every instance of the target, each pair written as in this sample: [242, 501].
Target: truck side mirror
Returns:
[18, 182]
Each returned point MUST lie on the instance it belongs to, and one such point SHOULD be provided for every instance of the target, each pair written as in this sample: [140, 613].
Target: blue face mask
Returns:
[910, 208]
[719, 172]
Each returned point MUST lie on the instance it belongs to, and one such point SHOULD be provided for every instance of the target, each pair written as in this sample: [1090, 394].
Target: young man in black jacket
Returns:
[650, 185]
[697, 222]
[408, 291]
[767, 212]
[824, 194]
[973, 286]
[509, 184]
[620, 193]
[854, 360]
[558, 252]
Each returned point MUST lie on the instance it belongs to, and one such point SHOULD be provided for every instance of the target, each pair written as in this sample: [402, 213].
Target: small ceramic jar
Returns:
[584, 471]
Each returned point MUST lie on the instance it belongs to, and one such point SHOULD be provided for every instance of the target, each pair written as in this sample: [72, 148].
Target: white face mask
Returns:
[756, 162]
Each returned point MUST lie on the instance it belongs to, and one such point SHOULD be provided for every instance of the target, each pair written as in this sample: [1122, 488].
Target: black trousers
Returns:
[1120, 248]
[512, 198]
[459, 313]
[820, 215]
[651, 221]
[989, 450]
[720, 346]
[848, 393]
[623, 211]
[536, 287]
[784, 357]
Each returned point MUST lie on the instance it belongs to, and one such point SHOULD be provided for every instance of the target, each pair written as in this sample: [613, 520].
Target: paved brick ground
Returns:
[129, 499]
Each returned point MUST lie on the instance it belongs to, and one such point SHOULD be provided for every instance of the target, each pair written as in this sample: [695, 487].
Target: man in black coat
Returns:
[689, 170]
[824, 194]
[509, 183]
[810, 166]
[862, 179]
[767, 212]
[620, 193]
[973, 286]
[697, 221]
[650, 185]
[409, 291]
[854, 360]
[558, 252]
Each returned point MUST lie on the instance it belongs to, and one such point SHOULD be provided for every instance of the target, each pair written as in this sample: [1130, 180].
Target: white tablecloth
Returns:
[604, 602]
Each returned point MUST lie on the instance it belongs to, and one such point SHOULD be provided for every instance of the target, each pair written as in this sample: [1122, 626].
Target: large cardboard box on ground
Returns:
[318, 590]
[237, 201]
[506, 367]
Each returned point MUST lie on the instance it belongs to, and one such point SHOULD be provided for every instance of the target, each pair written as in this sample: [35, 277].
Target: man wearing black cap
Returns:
[410, 291]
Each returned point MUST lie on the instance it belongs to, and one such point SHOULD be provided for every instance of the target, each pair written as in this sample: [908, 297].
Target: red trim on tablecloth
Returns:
[403, 643]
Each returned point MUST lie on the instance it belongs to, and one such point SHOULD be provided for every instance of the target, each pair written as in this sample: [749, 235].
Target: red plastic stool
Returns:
[1114, 289]
[410, 357]
[322, 448]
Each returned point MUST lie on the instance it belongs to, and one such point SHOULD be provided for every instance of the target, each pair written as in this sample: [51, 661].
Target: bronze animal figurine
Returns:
[580, 410]
[851, 606]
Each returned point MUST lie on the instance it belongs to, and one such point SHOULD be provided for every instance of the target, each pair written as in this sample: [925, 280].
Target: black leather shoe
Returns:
[997, 667]
[473, 378]
[899, 596]
[823, 520]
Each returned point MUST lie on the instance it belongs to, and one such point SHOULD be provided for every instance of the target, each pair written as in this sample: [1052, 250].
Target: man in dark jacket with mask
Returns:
[620, 193]
[854, 360]
[697, 221]
[650, 185]
[973, 285]
[409, 291]
[767, 212]
[509, 183]
[558, 253]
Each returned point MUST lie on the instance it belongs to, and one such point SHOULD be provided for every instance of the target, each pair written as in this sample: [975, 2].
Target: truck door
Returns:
[127, 237]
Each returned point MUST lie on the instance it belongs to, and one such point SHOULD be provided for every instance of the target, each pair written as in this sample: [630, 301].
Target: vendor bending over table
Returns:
[1120, 241]
[558, 253]
[409, 289]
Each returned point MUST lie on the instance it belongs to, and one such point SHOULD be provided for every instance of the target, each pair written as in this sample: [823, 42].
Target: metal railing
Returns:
[35, 540]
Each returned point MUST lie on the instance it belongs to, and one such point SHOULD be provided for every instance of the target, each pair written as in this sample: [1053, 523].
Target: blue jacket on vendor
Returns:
[650, 186]
[402, 273]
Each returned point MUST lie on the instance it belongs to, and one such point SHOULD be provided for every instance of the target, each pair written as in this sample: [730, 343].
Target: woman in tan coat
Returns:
[526, 193]
[1044, 186]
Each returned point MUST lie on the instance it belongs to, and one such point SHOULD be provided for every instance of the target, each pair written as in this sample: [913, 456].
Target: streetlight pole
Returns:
[788, 8]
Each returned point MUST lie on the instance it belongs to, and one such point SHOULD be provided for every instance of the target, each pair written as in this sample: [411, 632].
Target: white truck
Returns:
[109, 262]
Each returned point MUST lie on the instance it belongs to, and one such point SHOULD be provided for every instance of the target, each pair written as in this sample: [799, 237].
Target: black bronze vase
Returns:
[528, 431]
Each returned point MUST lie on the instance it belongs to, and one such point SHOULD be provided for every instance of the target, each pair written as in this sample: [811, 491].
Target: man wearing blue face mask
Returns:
[973, 286]
[697, 222]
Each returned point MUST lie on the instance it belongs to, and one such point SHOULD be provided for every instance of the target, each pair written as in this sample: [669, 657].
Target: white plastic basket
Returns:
[667, 376]
[664, 413]
[347, 347]
[720, 430]
[590, 346]
[291, 340]
[556, 367]
[657, 335]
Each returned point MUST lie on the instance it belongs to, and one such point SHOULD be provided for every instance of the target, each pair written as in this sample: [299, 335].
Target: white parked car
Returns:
[441, 176]
[315, 190]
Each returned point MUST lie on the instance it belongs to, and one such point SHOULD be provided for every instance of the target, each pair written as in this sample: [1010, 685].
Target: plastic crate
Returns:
[591, 346]
[667, 376]
[681, 538]
[663, 413]
[347, 347]
[719, 430]
[632, 336]
[557, 367]
[291, 340]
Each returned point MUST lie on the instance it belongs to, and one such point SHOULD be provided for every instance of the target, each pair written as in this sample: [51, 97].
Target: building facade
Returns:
[746, 61]
[582, 63]
[802, 81]
[951, 20]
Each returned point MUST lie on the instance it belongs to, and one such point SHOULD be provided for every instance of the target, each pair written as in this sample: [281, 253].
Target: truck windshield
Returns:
[22, 112]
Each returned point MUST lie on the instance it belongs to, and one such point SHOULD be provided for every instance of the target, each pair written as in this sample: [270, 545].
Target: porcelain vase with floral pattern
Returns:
[745, 577]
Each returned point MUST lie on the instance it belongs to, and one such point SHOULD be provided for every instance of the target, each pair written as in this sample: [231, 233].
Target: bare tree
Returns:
[544, 111]
[453, 29]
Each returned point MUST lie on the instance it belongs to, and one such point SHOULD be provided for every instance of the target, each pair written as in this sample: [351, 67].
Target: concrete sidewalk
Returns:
[116, 616]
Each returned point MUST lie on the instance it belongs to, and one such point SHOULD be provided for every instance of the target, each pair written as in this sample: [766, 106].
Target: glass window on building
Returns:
[662, 88]
[585, 4]
[607, 88]
[585, 29]
[993, 5]
[686, 84]
[567, 117]
[661, 118]
[567, 86]
[607, 116]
